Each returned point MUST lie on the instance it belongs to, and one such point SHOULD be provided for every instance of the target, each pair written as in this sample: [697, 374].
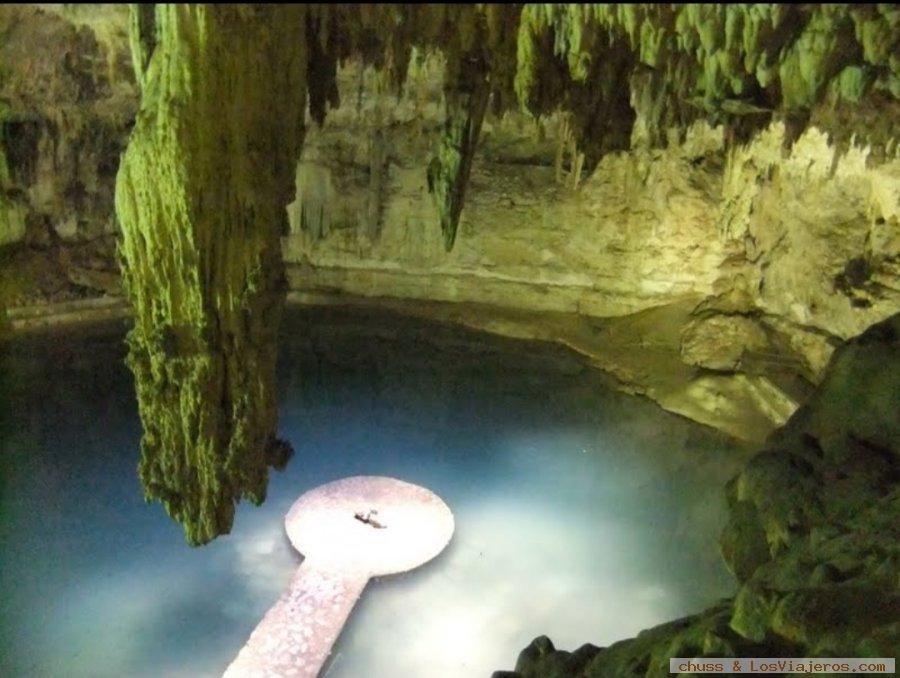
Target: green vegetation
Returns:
[200, 196]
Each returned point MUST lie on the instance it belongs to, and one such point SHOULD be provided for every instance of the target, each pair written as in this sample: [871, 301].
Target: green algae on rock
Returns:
[739, 64]
[200, 196]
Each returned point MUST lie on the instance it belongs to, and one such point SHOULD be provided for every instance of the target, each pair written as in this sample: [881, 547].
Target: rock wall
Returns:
[67, 102]
[799, 240]
[813, 537]
[714, 273]
[771, 252]
[819, 235]
[636, 233]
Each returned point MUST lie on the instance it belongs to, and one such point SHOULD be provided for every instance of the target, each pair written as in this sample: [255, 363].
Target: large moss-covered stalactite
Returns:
[201, 197]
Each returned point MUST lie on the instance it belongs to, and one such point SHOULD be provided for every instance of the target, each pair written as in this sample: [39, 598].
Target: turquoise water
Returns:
[582, 513]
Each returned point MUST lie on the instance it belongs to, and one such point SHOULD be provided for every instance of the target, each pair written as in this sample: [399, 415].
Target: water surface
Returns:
[581, 513]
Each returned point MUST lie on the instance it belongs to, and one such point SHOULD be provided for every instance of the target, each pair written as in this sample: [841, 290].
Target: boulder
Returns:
[719, 342]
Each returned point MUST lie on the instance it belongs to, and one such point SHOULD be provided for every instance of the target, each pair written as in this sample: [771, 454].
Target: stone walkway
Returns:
[350, 530]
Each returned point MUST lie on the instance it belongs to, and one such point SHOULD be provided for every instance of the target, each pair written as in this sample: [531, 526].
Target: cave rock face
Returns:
[722, 181]
[813, 536]
[804, 235]
[720, 342]
[67, 99]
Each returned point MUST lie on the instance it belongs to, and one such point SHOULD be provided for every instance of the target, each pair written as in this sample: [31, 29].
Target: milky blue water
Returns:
[581, 513]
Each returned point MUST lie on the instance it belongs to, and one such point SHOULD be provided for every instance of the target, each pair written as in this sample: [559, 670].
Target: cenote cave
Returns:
[508, 340]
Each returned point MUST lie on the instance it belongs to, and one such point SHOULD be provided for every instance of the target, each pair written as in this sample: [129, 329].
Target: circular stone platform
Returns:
[349, 531]
[369, 524]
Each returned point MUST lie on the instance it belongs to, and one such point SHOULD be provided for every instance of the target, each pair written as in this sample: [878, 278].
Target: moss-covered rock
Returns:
[740, 64]
[201, 197]
[814, 536]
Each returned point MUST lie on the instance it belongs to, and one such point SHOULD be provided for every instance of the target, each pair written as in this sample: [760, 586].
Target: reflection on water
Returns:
[581, 513]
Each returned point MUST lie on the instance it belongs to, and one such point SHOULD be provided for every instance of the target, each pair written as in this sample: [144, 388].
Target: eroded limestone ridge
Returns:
[813, 537]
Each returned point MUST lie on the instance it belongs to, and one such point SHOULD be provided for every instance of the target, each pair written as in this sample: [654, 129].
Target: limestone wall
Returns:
[804, 239]
[67, 100]
[639, 232]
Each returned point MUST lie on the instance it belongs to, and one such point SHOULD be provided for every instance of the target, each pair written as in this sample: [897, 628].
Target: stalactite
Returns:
[379, 169]
[142, 38]
[448, 172]
[741, 65]
[478, 44]
[201, 198]
[7, 226]
[311, 210]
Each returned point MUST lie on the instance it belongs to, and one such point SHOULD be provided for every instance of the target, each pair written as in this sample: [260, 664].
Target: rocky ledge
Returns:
[813, 537]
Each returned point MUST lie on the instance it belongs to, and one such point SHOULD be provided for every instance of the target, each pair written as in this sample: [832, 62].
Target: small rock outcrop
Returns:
[813, 537]
[721, 341]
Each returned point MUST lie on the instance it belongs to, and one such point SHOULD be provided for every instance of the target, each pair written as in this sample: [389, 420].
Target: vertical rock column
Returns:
[201, 196]
[449, 169]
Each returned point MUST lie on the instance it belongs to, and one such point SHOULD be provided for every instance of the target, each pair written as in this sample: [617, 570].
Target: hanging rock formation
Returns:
[604, 66]
[200, 196]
